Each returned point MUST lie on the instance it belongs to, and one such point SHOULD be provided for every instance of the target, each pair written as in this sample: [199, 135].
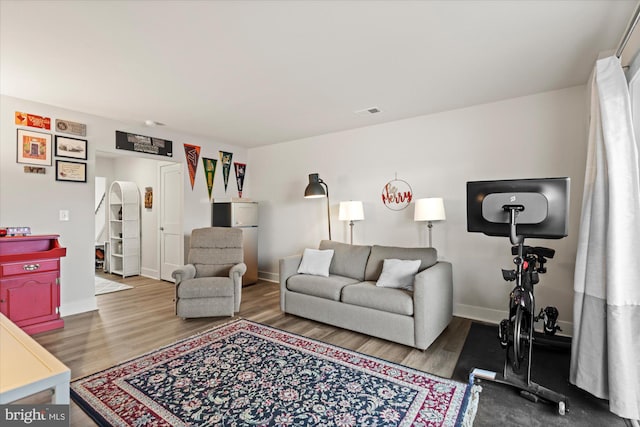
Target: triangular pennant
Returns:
[240, 171]
[225, 159]
[209, 172]
[192, 153]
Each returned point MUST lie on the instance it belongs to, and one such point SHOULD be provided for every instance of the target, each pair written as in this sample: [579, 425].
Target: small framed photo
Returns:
[71, 147]
[34, 148]
[71, 171]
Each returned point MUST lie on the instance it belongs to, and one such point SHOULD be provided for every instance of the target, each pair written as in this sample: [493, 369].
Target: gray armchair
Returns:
[211, 284]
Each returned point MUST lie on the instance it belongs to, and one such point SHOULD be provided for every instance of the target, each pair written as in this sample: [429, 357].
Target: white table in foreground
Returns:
[27, 368]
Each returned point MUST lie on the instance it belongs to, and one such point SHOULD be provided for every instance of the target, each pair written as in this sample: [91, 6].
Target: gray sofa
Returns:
[350, 299]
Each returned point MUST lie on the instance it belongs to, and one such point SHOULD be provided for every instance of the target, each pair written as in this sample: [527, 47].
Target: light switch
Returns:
[64, 215]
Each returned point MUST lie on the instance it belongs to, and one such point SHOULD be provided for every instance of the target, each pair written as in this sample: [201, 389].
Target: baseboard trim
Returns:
[77, 307]
[492, 316]
[151, 273]
[269, 277]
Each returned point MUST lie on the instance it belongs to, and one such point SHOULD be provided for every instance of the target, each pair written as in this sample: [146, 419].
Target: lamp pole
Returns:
[326, 187]
[351, 228]
[315, 190]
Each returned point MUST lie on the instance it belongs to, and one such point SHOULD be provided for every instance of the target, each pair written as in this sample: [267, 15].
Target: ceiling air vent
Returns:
[367, 111]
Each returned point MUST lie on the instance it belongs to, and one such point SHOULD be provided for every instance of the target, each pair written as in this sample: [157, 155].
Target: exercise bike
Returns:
[513, 332]
[516, 333]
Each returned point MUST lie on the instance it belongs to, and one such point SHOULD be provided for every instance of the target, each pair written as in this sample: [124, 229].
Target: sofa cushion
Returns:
[398, 273]
[315, 262]
[348, 260]
[427, 257]
[318, 286]
[206, 287]
[367, 294]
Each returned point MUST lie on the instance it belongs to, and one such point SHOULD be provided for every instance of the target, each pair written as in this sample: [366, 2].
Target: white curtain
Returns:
[605, 356]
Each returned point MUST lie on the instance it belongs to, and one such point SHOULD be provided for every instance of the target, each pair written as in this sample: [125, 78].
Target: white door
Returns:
[171, 203]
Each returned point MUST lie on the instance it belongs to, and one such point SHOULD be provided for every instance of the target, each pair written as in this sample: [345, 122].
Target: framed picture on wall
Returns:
[71, 147]
[71, 171]
[34, 148]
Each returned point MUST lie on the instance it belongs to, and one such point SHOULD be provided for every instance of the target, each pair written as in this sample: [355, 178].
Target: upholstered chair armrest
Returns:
[181, 274]
[237, 271]
[235, 274]
[288, 267]
[186, 272]
[432, 302]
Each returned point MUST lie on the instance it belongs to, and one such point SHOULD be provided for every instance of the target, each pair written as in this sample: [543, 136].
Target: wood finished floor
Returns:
[132, 322]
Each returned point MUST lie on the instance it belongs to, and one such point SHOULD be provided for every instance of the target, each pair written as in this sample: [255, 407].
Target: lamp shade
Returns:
[314, 189]
[351, 211]
[431, 209]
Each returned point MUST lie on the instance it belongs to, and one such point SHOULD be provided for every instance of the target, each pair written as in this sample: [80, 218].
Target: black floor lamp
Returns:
[314, 190]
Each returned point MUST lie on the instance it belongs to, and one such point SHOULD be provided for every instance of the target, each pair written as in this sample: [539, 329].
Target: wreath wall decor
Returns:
[397, 194]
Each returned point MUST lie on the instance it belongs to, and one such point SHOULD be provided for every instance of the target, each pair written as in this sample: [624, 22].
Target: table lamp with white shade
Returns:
[351, 211]
[430, 209]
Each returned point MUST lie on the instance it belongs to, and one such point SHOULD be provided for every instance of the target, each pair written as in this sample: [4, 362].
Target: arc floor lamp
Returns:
[315, 190]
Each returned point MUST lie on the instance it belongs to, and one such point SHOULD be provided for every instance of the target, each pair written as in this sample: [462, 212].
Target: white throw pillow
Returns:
[316, 262]
[398, 273]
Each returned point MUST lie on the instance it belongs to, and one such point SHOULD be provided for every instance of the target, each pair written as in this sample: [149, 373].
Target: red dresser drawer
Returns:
[31, 298]
[26, 267]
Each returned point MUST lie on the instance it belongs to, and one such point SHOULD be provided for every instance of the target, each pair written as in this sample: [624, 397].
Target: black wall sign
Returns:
[143, 144]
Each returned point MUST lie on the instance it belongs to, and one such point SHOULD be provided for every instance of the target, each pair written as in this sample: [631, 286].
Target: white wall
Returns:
[104, 169]
[543, 135]
[100, 209]
[35, 200]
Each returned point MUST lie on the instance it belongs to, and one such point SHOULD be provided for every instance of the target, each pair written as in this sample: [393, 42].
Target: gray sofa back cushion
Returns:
[348, 260]
[214, 250]
[427, 256]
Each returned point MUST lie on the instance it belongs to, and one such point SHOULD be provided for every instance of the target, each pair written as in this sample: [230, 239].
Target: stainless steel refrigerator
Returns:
[242, 215]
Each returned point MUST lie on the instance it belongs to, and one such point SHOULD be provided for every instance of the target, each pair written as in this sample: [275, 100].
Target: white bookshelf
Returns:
[124, 228]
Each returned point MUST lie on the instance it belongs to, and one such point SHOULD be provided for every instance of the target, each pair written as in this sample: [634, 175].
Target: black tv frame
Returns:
[545, 203]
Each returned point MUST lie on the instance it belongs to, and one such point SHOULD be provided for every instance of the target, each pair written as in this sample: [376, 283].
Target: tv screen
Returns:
[545, 202]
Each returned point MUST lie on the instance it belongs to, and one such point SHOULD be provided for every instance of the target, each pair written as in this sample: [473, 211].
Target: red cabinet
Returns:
[30, 281]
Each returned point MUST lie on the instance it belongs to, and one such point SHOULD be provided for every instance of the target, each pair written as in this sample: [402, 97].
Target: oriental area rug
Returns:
[246, 373]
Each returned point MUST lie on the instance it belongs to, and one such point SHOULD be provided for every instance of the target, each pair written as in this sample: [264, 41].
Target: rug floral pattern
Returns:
[244, 373]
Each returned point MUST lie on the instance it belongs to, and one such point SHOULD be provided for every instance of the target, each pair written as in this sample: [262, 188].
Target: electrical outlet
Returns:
[64, 215]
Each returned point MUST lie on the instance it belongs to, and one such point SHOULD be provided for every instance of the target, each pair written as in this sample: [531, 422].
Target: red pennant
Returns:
[192, 153]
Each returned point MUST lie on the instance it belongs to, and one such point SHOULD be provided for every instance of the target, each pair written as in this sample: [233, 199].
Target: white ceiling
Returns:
[260, 72]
